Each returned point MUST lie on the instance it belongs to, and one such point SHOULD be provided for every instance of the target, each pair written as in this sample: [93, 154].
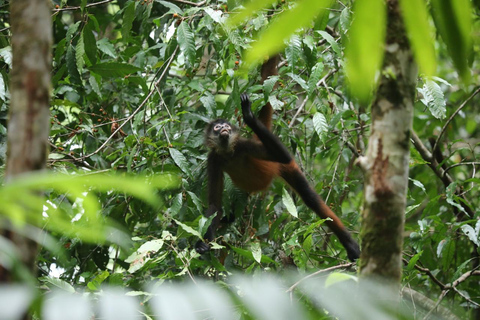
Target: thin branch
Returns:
[139, 107]
[340, 266]
[441, 173]
[435, 145]
[428, 273]
[304, 102]
[87, 6]
[473, 163]
[201, 3]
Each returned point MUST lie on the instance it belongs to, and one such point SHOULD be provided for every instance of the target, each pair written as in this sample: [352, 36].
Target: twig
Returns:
[87, 6]
[473, 163]
[435, 145]
[139, 107]
[201, 3]
[441, 173]
[304, 102]
[340, 266]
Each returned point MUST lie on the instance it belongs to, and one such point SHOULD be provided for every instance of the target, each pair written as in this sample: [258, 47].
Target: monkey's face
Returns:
[221, 136]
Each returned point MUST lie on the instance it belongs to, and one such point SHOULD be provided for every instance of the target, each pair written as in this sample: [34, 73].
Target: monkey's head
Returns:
[221, 136]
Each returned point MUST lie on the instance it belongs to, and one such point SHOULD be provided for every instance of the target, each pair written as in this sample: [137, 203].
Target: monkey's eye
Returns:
[217, 127]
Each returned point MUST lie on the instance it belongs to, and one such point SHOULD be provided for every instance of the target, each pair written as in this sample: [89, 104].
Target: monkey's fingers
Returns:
[202, 247]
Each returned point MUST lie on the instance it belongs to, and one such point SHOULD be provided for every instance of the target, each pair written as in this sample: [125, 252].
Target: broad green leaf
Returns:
[448, 253]
[128, 17]
[331, 41]
[189, 229]
[453, 19]
[413, 260]
[208, 101]
[420, 34]
[186, 41]
[114, 69]
[90, 42]
[249, 255]
[250, 8]
[288, 202]
[173, 8]
[268, 86]
[60, 284]
[307, 244]
[273, 38]
[256, 251]
[71, 30]
[106, 47]
[6, 54]
[364, 49]
[320, 123]
[470, 233]
[179, 160]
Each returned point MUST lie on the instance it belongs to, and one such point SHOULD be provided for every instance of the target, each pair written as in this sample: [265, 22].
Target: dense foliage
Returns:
[136, 82]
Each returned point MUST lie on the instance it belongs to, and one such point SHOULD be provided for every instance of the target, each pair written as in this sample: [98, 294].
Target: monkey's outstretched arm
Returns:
[274, 147]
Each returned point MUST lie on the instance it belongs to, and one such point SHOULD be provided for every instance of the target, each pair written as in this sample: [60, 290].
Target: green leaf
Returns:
[307, 244]
[90, 42]
[173, 8]
[71, 30]
[470, 233]
[128, 17]
[364, 49]
[268, 86]
[179, 160]
[434, 99]
[189, 229]
[420, 34]
[336, 277]
[79, 52]
[271, 40]
[208, 101]
[114, 69]
[288, 202]
[331, 41]
[94, 84]
[315, 76]
[256, 251]
[250, 8]
[249, 255]
[72, 65]
[454, 21]
[447, 252]
[186, 41]
[60, 284]
[320, 123]
[106, 47]
[2, 88]
[413, 261]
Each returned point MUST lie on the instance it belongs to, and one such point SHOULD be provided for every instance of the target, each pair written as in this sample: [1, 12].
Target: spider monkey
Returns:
[252, 164]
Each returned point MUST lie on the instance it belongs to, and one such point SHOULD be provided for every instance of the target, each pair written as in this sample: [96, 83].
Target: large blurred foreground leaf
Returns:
[24, 202]
[259, 297]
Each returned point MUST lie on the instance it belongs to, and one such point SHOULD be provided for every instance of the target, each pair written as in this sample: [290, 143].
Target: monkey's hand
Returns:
[202, 247]
[248, 116]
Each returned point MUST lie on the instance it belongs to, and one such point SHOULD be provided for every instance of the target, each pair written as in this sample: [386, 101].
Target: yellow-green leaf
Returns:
[364, 49]
[420, 34]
